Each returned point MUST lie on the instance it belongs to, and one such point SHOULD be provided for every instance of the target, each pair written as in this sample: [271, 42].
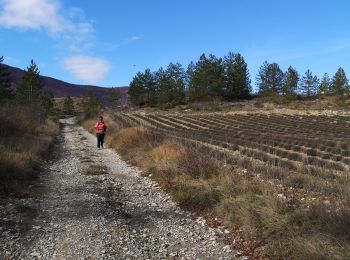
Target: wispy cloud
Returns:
[90, 70]
[11, 60]
[113, 46]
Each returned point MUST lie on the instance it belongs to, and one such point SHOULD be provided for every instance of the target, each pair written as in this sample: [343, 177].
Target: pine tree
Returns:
[112, 96]
[47, 102]
[165, 89]
[151, 88]
[189, 74]
[29, 90]
[290, 81]
[144, 89]
[340, 83]
[178, 77]
[309, 84]
[270, 79]
[207, 80]
[90, 105]
[68, 105]
[171, 85]
[325, 85]
[5, 84]
[237, 82]
[137, 92]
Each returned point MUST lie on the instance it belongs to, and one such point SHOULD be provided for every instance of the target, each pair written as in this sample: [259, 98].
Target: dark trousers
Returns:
[100, 138]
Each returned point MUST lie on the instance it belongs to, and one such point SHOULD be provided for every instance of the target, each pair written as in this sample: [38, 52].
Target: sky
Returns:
[106, 42]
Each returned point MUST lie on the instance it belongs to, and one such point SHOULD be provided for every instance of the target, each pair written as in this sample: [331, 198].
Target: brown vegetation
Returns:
[95, 170]
[25, 138]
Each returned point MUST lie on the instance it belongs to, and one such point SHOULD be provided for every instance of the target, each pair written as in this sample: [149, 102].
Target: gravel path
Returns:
[119, 215]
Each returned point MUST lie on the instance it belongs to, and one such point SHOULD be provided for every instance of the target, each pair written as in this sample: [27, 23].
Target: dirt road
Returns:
[118, 215]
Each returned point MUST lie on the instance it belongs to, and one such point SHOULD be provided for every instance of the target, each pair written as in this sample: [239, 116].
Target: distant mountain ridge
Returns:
[61, 89]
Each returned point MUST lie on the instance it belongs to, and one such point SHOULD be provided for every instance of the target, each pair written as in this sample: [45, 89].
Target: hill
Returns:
[61, 89]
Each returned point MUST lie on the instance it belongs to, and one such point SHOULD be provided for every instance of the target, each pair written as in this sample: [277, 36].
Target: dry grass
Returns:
[128, 138]
[24, 142]
[167, 155]
[96, 170]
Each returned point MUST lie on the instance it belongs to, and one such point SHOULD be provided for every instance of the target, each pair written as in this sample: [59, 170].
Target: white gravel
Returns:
[119, 215]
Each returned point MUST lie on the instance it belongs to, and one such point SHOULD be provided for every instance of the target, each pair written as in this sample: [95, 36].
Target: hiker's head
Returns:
[101, 118]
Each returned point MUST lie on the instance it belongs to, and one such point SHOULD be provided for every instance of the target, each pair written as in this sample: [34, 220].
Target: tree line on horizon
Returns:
[210, 78]
[227, 79]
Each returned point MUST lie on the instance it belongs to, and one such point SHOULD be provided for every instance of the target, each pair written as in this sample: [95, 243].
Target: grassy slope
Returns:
[254, 208]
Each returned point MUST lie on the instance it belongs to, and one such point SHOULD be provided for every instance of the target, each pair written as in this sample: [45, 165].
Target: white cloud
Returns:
[69, 27]
[31, 14]
[90, 70]
[73, 34]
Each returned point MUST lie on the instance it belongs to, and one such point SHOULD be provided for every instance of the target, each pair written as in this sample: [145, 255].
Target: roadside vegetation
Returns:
[27, 130]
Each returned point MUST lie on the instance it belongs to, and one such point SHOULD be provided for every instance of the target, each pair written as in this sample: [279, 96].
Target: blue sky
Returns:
[107, 42]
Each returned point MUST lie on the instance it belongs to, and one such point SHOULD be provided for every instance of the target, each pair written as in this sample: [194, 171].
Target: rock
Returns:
[35, 254]
[227, 249]
[281, 196]
[326, 202]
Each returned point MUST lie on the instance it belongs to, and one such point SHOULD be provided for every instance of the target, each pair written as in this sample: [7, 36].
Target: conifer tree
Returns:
[237, 82]
[269, 79]
[207, 79]
[47, 102]
[151, 89]
[112, 96]
[325, 85]
[340, 83]
[68, 105]
[137, 92]
[171, 85]
[144, 89]
[29, 90]
[309, 84]
[290, 81]
[5, 84]
[90, 105]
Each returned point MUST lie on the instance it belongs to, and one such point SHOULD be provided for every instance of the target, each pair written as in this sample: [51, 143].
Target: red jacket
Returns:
[100, 127]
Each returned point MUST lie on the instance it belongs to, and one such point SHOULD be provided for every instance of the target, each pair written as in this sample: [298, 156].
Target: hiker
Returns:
[100, 132]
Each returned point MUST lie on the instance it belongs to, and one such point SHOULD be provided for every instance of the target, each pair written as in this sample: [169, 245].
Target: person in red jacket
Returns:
[100, 132]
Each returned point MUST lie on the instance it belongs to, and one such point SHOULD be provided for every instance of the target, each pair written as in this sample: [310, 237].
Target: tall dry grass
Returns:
[24, 142]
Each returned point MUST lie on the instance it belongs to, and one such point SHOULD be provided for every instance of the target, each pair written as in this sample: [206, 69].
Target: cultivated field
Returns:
[308, 151]
[318, 144]
[291, 173]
